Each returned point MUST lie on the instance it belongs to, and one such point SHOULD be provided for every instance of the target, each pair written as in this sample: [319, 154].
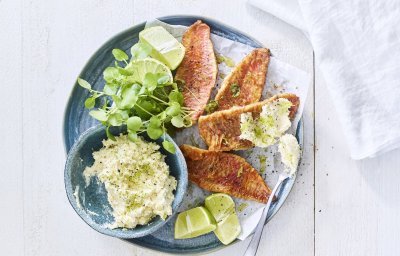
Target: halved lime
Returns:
[139, 68]
[164, 46]
[220, 205]
[228, 229]
[194, 222]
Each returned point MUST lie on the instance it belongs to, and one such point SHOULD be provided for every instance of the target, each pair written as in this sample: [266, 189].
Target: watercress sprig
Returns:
[151, 105]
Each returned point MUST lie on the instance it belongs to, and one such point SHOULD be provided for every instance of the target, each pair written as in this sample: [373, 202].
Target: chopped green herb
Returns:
[242, 206]
[235, 90]
[228, 61]
[211, 106]
[220, 58]
[263, 163]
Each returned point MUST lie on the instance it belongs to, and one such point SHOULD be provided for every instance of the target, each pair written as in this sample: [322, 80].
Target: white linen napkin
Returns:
[357, 47]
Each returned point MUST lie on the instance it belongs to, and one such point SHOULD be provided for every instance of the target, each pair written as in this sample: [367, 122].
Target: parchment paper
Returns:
[281, 78]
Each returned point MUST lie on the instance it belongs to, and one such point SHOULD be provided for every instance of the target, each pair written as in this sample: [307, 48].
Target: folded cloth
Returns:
[357, 47]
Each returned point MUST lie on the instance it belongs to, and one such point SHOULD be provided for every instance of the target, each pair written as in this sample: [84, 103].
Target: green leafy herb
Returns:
[84, 84]
[129, 97]
[150, 81]
[235, 90]
[109, 134]
[176, 96]
[90, 102]
[211, 106]
[132, 136]
[120, 55]
[100, 115]
[115, 119]
[163, 79]
[111, 74]
[125, 72]
[178, 121]
[110, 89]
[174, 109]
[134, 123]
[144, 103]
[169, 146]
[154, 132]
[155, 122]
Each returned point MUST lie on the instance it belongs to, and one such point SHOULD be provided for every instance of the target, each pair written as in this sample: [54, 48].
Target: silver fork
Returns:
[255, 241]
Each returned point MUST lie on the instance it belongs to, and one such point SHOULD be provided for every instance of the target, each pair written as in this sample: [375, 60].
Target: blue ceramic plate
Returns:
[91, 203]
[77, 120]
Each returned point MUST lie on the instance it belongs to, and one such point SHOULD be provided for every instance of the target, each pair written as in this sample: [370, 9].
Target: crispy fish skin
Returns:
[198, 70]
[248, 77]
[221, 129]
[225, 173]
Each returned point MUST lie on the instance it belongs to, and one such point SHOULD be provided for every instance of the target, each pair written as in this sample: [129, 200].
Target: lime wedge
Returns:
[220, 206]
[164, 46]
[228, 229]
[139, 68]
[194, 222]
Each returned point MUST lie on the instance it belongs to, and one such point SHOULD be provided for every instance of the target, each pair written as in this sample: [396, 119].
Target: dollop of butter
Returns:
[273, 123]
[290, 152]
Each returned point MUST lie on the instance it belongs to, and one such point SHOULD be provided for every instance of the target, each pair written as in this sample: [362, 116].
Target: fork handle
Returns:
[255, 241]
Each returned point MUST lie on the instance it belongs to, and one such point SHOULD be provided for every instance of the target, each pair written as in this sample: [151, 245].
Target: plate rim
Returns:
[67, 145]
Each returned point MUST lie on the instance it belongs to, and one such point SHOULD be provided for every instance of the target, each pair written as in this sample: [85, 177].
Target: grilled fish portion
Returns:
[221, 129]
[245, 83]
[197, 73]
[225, 173]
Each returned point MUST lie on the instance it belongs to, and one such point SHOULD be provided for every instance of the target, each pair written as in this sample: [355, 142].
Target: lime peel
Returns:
[193, 223]
[228, 229]
[222, 207]
[164, 46]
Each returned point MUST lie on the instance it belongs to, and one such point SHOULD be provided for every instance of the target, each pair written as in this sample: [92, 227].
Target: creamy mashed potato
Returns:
[136, 178]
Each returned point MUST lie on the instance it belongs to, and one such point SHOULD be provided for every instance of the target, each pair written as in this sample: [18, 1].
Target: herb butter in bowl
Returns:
[122, 188]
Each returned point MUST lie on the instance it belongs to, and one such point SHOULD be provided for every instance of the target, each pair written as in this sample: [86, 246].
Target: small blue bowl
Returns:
[91, 202]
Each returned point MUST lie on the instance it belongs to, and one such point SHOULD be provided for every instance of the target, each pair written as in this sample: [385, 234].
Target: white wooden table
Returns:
[337, 207]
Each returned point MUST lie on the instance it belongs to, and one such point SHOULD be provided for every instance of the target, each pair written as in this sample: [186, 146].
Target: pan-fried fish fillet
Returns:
[221, 129]
[225, 173]
[198, 71]
[245, 83]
